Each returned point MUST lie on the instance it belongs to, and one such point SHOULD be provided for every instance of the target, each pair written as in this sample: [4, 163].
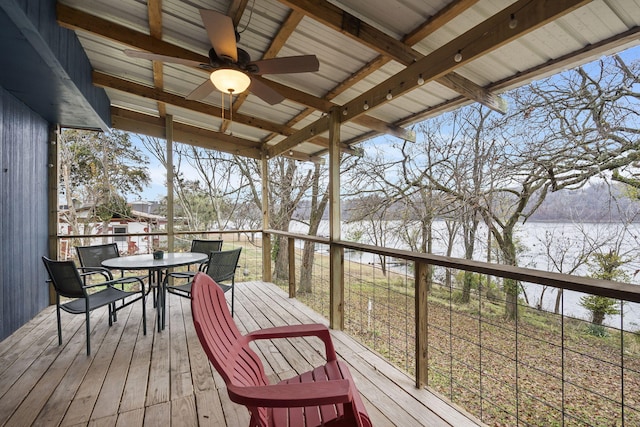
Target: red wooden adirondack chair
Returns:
[326, 395]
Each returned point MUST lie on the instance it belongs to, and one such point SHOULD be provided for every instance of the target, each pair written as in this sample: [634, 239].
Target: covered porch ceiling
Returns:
[386, 64]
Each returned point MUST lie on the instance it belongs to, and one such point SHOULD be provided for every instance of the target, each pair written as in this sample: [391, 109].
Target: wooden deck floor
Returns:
[164, 378]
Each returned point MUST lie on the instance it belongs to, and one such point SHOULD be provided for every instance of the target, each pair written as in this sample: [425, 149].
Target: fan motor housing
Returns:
[221, 61]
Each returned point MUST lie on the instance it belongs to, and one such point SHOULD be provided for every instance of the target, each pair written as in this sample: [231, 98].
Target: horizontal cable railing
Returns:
[549, 366]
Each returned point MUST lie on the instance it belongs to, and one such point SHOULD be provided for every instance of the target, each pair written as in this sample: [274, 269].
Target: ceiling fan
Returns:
[231, 67]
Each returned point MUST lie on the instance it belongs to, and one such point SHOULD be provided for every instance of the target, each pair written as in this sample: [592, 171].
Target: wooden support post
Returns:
[169, 139]
[266, 237]
[336, 254]
[421, 308]
[292, 266]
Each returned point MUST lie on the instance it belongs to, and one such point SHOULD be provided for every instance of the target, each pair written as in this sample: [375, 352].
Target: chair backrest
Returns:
[65, 278]
[92, 256]
[205, 246]
[222, 264]
[223, 343]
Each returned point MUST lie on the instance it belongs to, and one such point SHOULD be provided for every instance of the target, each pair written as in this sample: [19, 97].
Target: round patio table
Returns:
[156, 267]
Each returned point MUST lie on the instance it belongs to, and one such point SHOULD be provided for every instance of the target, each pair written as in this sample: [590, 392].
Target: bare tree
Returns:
[566, 253]
[289, 182]
[560, 133]
[319, 198]
[370, 213]
[207, 184]
[98, 170]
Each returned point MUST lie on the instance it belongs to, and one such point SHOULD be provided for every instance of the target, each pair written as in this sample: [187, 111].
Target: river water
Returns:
[549, 246]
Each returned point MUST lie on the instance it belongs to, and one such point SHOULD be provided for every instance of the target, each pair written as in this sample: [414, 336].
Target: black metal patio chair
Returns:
[68, 283]
[91, 258]
[221, 267]
[201, 246]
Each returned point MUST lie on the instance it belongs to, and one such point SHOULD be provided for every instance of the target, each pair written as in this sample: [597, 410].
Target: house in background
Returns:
[121, 227]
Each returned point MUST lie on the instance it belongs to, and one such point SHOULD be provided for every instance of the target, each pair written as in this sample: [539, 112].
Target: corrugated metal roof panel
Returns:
[340, 56]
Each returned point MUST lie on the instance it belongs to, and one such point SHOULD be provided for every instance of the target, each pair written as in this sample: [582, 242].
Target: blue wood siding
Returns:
[23, 213]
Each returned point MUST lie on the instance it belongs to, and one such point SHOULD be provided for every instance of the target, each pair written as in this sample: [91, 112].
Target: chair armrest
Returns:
[88, 271]
[182, 274]
[294, 331]
[116, 281]
[292, 395]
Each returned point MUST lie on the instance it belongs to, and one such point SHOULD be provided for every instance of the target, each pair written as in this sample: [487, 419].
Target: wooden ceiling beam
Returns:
[441, 18]
[236, 10]
[349, 25]
[435, 22]
[145, 124]
[345, 23]
[588, 53]
[106, 81]
[154, 13]
[111, 82]
[482, 39]
[78, 20]
[438, 20]
[316, 128]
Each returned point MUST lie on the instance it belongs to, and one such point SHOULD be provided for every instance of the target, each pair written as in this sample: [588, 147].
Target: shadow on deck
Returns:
[161, 378]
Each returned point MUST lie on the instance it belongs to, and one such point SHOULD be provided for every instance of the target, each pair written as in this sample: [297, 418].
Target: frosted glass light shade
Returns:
[229, 80]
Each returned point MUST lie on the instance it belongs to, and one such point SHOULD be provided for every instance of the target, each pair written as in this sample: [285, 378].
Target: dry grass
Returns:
[544, 370]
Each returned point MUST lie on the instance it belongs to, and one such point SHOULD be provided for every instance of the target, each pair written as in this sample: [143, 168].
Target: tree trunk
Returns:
[319, 200]
[558, 300]
[306, 269]
[281, 270]
[470, 230]
[511, 286]
[598, 317]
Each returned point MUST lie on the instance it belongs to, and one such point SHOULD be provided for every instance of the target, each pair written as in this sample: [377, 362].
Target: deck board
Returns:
[164, 377]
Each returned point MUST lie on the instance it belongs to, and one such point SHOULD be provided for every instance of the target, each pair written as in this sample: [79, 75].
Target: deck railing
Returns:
[548, 367]
[545, 368]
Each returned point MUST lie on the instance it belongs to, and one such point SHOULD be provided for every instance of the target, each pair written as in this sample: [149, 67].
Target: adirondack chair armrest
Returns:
[293, 395]
[295, 331]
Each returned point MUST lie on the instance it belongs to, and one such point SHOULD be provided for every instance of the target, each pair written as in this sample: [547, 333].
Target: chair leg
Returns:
[144, 312]
[59, 323]
[88, 328]
[233, 288]
[163, 290]
[161, 305]
[153, 289]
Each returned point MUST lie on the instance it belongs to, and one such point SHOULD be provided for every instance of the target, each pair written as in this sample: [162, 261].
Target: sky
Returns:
[157, 189]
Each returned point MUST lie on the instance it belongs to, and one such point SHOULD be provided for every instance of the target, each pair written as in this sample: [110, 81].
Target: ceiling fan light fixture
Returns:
[229, 80]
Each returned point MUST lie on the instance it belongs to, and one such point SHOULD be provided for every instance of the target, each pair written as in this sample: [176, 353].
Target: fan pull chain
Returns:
[222, 109]
[230, 112]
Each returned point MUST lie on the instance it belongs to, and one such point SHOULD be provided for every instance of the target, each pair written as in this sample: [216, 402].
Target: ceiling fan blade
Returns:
[163, 58]
[222, 34]
[201, 91]
[264, 92]
[287, 65]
